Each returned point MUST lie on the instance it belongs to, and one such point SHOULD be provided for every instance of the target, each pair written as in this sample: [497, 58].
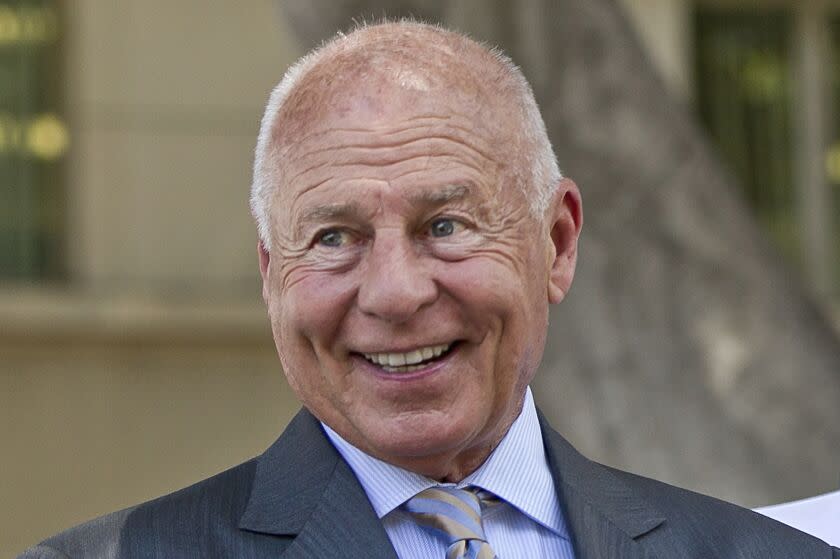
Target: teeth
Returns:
[407, 361]
[413, 357]
[396, 359]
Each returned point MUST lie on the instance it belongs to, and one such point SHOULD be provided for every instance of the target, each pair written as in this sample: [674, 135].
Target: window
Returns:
[832, 160]
[744, 97]
[33, 141]
[760, 75]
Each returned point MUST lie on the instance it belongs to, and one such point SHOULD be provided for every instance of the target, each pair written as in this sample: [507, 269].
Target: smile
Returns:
[409, 361]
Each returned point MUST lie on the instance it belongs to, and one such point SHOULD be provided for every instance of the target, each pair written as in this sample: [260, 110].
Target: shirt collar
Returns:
[516, 471]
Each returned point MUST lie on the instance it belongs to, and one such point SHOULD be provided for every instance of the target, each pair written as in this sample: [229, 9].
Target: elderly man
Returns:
[414, 227]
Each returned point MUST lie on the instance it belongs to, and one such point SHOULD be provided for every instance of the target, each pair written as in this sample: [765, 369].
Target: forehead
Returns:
[419, 154]
[381, 131]
[389, 122]
[392, 65]
[374, 113]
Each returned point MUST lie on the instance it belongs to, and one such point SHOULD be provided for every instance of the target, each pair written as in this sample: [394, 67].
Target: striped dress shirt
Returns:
[528, 523]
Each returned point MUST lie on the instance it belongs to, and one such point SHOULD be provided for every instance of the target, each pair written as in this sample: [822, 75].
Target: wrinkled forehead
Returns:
[393, 74]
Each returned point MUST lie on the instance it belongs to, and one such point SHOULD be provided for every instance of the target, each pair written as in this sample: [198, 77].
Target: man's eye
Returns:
[443, 227]
[332, 238]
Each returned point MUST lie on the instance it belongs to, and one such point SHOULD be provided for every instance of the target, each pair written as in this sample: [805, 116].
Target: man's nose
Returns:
[397, 281]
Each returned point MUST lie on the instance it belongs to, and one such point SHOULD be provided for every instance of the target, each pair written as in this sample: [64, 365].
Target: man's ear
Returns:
[265, 260]
[565, 218]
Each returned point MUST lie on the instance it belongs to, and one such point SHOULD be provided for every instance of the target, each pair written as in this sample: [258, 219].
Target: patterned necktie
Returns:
[454, 514]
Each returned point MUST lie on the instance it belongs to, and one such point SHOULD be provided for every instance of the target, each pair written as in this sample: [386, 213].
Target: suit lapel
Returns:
[605, 517]
[303, 489]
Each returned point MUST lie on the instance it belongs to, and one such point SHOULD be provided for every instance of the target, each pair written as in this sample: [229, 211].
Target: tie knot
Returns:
[453, 514]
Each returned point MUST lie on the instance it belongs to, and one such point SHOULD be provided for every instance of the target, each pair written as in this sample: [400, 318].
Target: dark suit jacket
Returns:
[301, 500]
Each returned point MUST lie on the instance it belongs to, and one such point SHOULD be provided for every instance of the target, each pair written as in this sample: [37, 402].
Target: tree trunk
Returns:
[686, 351]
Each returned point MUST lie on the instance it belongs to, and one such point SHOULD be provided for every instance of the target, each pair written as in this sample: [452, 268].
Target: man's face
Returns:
[407, 282]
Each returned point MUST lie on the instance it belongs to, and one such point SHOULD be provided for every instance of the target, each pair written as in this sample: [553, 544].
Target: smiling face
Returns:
[408, 282]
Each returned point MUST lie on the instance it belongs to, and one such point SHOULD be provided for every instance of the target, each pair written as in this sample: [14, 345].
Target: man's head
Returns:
[413, 230]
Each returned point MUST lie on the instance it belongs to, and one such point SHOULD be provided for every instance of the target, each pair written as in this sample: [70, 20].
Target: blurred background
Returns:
[699, 344]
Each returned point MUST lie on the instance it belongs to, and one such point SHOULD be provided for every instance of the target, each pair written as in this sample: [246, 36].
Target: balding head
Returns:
[419, 230]
[403, 63]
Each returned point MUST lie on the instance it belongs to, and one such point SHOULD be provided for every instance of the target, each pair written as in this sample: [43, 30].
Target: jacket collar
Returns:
[302, 488]
[606, 517]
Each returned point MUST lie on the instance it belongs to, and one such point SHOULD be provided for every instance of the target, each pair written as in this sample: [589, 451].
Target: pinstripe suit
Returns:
[301, 500]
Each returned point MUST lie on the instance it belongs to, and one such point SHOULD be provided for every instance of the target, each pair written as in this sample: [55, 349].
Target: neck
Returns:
[453, 467]
[448, 469]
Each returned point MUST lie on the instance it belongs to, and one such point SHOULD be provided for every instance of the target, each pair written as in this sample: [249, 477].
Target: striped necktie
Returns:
[455, 515]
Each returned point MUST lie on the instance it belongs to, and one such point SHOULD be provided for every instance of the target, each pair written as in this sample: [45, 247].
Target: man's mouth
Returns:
[407, 362]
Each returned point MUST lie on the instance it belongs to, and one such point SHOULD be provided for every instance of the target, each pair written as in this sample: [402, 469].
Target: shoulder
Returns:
[96, 538]
[251, 510]
[210, 508]
[741, 532]
[604, 504]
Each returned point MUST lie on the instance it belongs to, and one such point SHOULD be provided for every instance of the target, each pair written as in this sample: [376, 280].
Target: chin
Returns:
[419, 435]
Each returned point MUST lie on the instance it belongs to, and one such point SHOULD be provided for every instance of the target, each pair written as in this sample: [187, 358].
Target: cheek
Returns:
[509, 307]
[312, 308]
[489, 286]
[306, 320]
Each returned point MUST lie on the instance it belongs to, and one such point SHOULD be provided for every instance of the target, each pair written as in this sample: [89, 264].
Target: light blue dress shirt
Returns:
[528, 523]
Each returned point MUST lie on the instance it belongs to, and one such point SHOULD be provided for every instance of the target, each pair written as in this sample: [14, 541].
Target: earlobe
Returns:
[265, 261]
[566, 219]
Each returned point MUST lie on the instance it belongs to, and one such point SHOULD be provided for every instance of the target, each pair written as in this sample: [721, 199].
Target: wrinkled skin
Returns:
[396, 227]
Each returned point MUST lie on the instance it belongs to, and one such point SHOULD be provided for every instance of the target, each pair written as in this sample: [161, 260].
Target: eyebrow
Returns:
[328, 212]
[449, 193]
[355, 211]
[331, 211]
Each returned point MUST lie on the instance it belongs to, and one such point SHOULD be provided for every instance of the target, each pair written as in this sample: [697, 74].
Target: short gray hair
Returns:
[538, 183]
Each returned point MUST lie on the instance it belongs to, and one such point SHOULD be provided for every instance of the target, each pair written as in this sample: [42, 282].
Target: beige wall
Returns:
[96, 426]
[164, 100]
[154, 366]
